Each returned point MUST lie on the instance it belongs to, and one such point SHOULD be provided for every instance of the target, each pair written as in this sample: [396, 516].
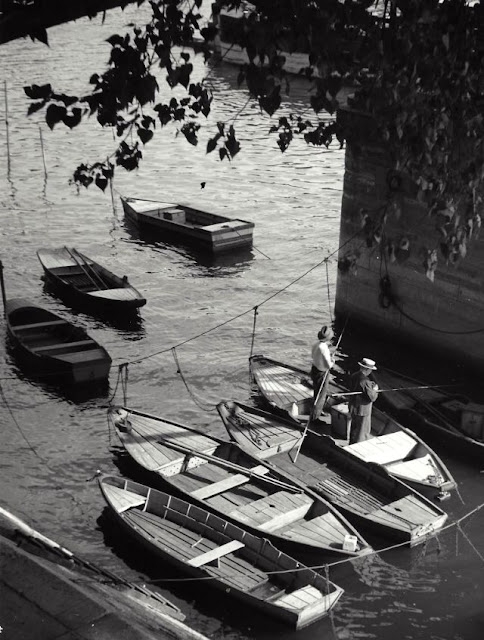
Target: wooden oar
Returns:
[87, 269]
[229, 465]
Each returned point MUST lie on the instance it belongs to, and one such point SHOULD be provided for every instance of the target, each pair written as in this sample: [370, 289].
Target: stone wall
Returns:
[416, 275]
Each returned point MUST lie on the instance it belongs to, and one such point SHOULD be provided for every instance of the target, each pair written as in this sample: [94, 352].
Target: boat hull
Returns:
[39, 338]
[283, 387]
[260, 499]
[364, 492]
[203, 545]
[68, 273]
[213, 234]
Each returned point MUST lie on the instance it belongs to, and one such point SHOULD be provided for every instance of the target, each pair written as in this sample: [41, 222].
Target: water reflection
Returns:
[223, 265]
[127, 321]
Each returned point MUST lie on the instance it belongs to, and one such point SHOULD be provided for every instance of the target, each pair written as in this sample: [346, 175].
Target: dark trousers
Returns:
[320, 386]
[360, 427]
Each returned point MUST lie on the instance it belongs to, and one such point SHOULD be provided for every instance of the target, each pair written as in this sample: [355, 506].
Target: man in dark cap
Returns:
[365, 391]
[322, 361]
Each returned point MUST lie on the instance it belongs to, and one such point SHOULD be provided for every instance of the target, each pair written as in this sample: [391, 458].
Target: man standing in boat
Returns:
[365, 392]
[322, 362]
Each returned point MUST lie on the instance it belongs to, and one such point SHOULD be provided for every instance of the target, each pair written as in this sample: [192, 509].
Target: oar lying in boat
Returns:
[88, 270]
[229, 465]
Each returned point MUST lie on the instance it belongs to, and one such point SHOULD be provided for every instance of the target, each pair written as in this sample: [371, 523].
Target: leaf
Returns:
[35, 106]
[101, 182]
[36, 92]
[54, 114]
[116, 40]
[72, 119]
[145, 135]
[39, 34]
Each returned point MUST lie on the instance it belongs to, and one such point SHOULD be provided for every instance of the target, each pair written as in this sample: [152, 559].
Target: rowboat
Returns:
[217, 475]
[53, 347]
[364, 492]
[288, 390]
[452, 421]
[82, 282]
[206, 231]
[225, 556]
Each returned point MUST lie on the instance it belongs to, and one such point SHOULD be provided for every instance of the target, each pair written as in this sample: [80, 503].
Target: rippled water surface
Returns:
[52, 445]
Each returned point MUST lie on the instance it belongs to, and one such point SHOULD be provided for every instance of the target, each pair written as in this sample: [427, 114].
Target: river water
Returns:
[52, 445]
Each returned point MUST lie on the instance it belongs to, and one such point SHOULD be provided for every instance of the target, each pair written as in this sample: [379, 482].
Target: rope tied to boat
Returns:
[201, 404]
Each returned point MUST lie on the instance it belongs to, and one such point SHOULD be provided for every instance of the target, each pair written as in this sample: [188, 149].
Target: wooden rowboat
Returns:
[288, 391]
[219, 476]
[207, 546]
[53, 347]
[364, 492]
[206, 231]
[81, 282]
[452, 421]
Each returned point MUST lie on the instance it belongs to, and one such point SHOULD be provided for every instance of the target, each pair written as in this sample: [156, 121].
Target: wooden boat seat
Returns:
[215, 554]
[418, 469]
[63, 345]
[274, 511]
[122, 499]
[39, 325]
[384, 449]
[227, 483]
[299, 599]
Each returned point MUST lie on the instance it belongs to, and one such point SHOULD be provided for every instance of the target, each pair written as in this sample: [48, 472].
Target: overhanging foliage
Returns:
[416, 67]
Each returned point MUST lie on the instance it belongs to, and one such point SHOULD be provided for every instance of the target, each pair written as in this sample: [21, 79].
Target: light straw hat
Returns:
[367, 363]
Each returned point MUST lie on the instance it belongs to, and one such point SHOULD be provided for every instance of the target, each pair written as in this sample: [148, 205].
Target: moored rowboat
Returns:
[81, 281]
[288, 390]
[219, 476]
[364, 492]
[452, 421]
[53, 347]
[206, 546]
[206, 231]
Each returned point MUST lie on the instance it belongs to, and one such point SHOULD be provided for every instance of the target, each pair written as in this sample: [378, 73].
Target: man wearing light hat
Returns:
[365, 389]
[322, 363]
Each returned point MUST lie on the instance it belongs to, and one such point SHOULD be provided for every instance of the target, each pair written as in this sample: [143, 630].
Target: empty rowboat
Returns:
[209, 232]
[364, 492]
[449, 420]
[54, 348]
[219, 476]
[288, 391]
[82, 282]
[222, 554]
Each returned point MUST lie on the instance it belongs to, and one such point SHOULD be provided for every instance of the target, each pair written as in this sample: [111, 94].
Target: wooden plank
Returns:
[273, 511]
[224, 485]
[63, 345]
[122, 499]
[216, 553]
[301, 598]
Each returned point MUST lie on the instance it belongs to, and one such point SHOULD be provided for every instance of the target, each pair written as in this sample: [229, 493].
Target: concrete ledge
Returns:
[44, 601]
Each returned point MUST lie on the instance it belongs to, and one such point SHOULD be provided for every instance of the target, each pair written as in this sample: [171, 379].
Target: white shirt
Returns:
[321, 356]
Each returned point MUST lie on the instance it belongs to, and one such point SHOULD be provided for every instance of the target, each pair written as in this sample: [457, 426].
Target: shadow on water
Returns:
[53, 385]
[225, 264]
[127, 321]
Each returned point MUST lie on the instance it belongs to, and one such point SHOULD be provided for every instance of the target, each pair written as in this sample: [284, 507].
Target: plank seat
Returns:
[63, 345]
[274, 511]
[418, 469]
[384, 449]
[215, 554]
[300, 599]
[227, 483]
[39, 325]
